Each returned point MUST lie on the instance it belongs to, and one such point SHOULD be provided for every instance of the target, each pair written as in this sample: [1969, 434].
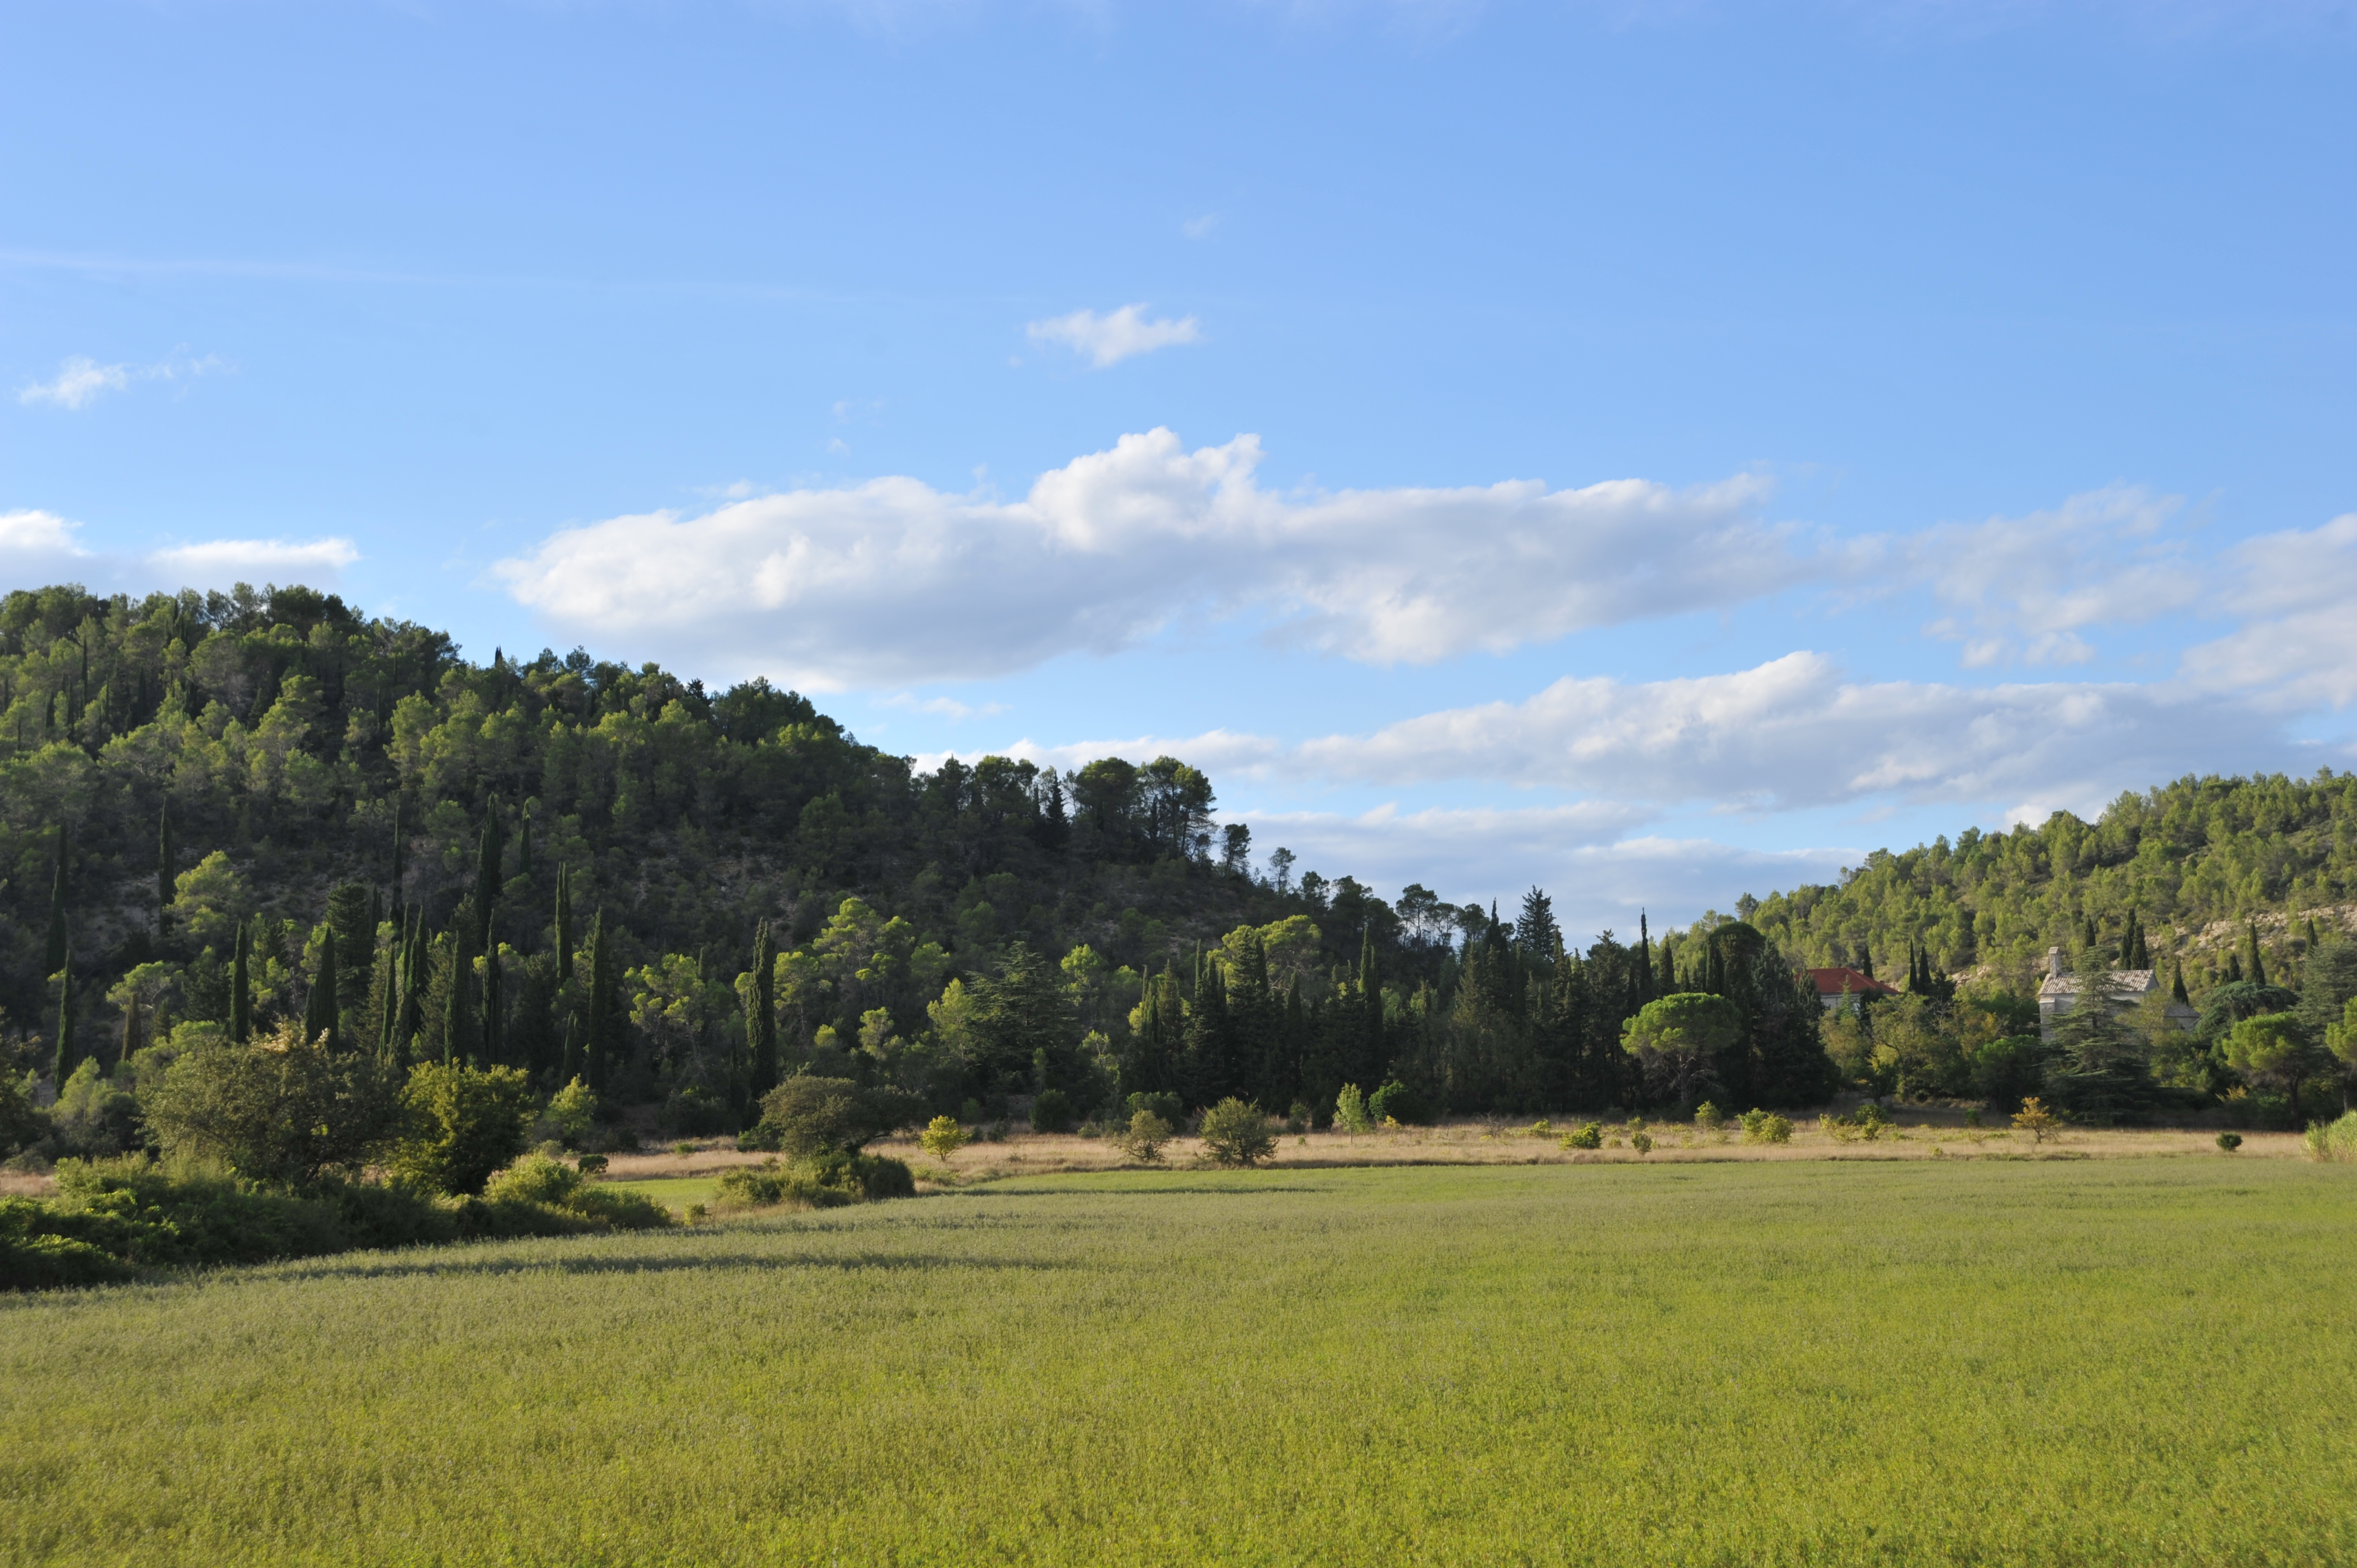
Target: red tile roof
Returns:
[1834, 981]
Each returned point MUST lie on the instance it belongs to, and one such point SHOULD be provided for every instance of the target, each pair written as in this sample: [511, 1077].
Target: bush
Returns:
[1144, 1137]
[22, 1123]
[1708, 1117]
[1350, 1112]
[1765, 1127]
[1591, 1137]
[2334, 1141]
[2036, 1119]
[1395, 1101]
[825, 1181]
[93, 1116]
[2229, 1142]
[807, 1116]
[569, 1118]
[1169, 1106]
[460, 1123]
[1235, 1134]
[1641, 1141]
[282, 1109]
[539, 1181]
[1051, 1112]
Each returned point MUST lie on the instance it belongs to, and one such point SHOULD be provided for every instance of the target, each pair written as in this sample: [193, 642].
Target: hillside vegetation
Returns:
[222, 815]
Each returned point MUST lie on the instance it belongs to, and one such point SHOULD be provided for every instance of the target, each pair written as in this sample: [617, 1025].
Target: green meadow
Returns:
[2132, 1361]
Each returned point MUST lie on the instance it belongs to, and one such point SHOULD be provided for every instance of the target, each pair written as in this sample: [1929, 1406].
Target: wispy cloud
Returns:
[1117, 335]
[940, 707]
[1200, 227]
[81, 380]
[225, 560]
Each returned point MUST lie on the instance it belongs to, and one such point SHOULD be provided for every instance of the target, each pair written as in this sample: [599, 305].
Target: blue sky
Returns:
[1654, 451]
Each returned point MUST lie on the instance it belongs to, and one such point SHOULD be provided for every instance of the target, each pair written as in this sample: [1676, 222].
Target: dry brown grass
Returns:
[1493, 1143]
[24, 1183]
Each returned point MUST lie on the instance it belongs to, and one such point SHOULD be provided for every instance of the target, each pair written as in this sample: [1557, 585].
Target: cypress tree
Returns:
[132, 1028]
[55, 958]
[400, 848]
[1644, 962]
[487, 876]
[65, 1018]
[2233, 968]
[571, 1069]
[396, 963]
[163, 859]
[2257, 966]
[319, 1008]
[2176, 989]
[564, 925]
[2087, 934]
[493, 1033]
[523, 843]
[761, 1013]
[241, 990]
[601, 986]
[455, 1013]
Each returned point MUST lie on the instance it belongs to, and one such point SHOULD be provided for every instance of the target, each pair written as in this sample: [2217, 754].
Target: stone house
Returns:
[2059, 992]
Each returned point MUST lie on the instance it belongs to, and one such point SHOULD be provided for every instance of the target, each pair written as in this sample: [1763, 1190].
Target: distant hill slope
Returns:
[2195, 861]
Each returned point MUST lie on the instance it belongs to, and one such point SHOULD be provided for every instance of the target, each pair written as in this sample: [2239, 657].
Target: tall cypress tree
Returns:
[165, 856]
[319, 1009]
[241, 989]
[487, 876]
[65, 1018]
[492, 1032]
[456, 1041]
[54, 958]
[2177, 988]
[564, 925]
[388, 999]
[2257, 966]
[761, 1013]
[400, 852]
[601, 986]
[523, 842]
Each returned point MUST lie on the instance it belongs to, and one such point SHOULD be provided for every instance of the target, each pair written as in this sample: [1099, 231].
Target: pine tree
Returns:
[55, 958]
[241, 989]
[2257, 966]
[761, 1013]
[66, 1053]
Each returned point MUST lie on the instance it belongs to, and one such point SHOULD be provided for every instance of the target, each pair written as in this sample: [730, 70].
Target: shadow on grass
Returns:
[462, 1260]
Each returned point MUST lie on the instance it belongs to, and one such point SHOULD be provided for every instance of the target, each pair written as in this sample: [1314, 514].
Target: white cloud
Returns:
[1199, 228]
[1796, 732]
[2025, 588]
[81, 380]
[33, 536]
[1112, 337]
[893, 581]
[2297, 590]
[218, 562]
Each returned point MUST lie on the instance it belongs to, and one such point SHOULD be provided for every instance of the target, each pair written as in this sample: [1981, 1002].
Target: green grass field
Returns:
[2132, 1362]
[674, 1192]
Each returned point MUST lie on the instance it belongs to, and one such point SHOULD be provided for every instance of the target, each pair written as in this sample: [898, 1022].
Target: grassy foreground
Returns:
[2083, 1362]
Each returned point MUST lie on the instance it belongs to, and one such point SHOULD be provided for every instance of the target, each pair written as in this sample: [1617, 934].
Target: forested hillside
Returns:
[224, 810]
[2198, 862]
[220, 813]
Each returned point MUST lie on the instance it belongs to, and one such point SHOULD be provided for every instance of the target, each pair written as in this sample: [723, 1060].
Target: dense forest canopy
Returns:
[221, 813]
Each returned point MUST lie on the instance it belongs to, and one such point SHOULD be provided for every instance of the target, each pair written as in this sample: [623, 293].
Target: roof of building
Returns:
[1834, 981]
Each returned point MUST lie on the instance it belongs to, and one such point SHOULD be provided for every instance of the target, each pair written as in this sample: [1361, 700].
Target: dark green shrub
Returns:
[460, 1123]
[696, 1112]
[1589, 1137]
[539, 1181]
[1298, 1119]
[1051, 1112]
[825, 1181]
[2229, 1142]
[37, 1254]
[807, 1116]
[1398, 1102]
[1236, 1133]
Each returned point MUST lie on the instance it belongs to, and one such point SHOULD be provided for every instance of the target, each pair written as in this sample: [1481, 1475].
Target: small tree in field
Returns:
[1350, 1112]
[1144, 1137]
[461, 1123]
[2034, 1119]
[944, 1137]
[1235, 1134]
